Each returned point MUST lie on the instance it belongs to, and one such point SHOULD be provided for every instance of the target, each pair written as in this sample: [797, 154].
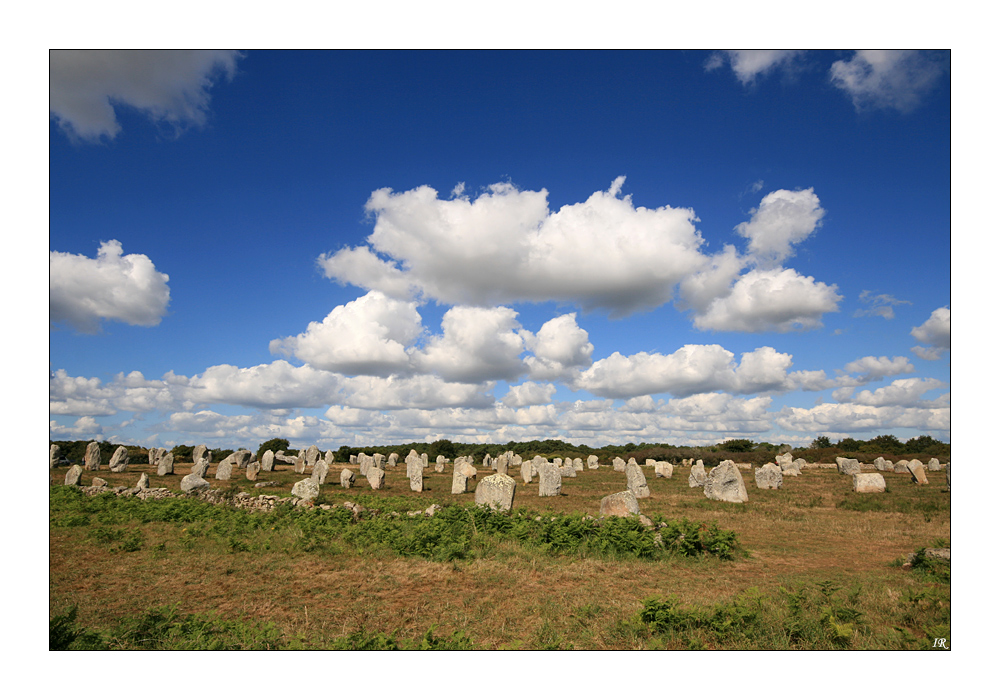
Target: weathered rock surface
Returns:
[346, 478]
[319, 471]
[253, 469]
[307, 489]
[549, 480]
[592, 462]
[200, 468]
[376, 477]
[901, 467]
[725, 483]
[198, 452]
[312, 454]
[848, 466]
[119, 460]
[916, 468]
[224, 472]
[53, 456]
[933, 465]
[165, 465]
[267, 461]
[697, 477]
[526, 471]
[636, 480]
[143, 482]
[618, 464]
[768, 476]
[868, 482]
[73, 476]
[92, 458]
[621, 504]
[193, 482]
[663, 470]
[882, 465]
[98, 482]
[784, 461]
[416, 477]
[496, 491]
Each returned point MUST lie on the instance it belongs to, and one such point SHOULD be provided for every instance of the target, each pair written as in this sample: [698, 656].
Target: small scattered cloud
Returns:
[783, 219]
[887, 79]
[169, 86]
[111, 287]
[748, 65]
[878, 305]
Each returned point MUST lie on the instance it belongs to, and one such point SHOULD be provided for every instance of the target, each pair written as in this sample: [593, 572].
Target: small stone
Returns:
[621, 504]
[346, 478]
[901, 467]
[98, 482]
[224, 472]
[143, 482]
[618, 464]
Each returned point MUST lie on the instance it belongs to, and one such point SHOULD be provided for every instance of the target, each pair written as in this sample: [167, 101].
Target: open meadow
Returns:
[809, 566]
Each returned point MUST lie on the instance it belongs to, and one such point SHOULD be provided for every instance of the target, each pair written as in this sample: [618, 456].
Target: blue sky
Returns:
[375, 247]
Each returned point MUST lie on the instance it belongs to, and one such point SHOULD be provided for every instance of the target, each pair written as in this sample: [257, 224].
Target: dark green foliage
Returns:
[737, 445]
[275, 445]
[821, 442]
[849, 445]
[883, 444]
[66, 635]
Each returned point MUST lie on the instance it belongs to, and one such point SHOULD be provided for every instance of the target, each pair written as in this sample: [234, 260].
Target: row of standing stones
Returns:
[722, 483]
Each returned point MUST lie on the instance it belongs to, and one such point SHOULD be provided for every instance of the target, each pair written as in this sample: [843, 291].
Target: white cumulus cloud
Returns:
[749, 64]
[86, 87]
[476, 345]
[529, 394]
[559, 347]
[887, 79]
[113, 287]
[783, 219]
[936, 332]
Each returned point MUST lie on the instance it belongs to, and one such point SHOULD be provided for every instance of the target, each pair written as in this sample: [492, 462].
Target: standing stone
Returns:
[549, 480]
[379, 460]
[848, 466]
[537, 462]
[198, 452]
[488, 462]
[650, 462]
[934, 465]
[725, 483]
[882, 465]
[557, 461]
[461, 476]
[440, 460]
[92, 458]
[501, 463]
[353, 459]
[193, 482]
[152, 456]
[320, 471]
[901, 467]
[143, 482]
[298, 468]
[515, 461]
[307, 489]
[496, 491]
[423, 458]
[393, 459]
[868, 483]
[619, 464]
[53, 456]
[200, 468]
[119, 460]
[768, 476]
[916, 468]
[619, 505]
[267, 461]
[311, 455]
[346, 478]
[166, 465]
[365, 463]
[416, 477]
[526, 474]
[698, 476]
[253, 469]
[636, 479]
[664, 470]
[375, 476]
[73, 476]
[329, 457]
[241, 458]
[224, 472]
[784, 461]
[578, 464]
[592, 462]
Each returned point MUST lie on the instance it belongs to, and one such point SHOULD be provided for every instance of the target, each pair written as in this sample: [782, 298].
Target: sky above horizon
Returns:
[363, 248]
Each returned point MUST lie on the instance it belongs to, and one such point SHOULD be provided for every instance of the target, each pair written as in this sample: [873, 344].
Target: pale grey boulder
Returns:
[98, 482]
[618, 464]
[916, 469]
[526, 472]
[725, 483]
[379, 460]
[636, 480]
[901, 467]
[868, 483]
[496, 491]
[933, 465]
[353, 459]
[198, 452]
[423, 458]
[416, 479]
[578, 464]
[663, 470]
[119, 460]
[882, 465]
[784, 461]
[592, 462]
[224, 472]
[241, 458]
[193, 482]
[200, 468]
[392, 460]
[461, 475]
[346, 478]
[307, 489]
[501, 463]
[165, 465]
[312, 454]
[53, 456]
[567, 471]
[143, 482]
[267, 461]
[73, 476]
[769, 476]
[549, 480]
[848, 466]
[92, 458]
[329, 457]
[153, 453]
[320, 471]
[697, 477]
[376, 477]
[620, 505]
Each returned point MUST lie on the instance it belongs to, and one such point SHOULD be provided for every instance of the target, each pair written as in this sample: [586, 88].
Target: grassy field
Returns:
[816, 567]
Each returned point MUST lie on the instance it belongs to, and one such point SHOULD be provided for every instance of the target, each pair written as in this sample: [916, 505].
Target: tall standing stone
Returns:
[619, 505]
[73, 476]
[166, 465]
[725, 483]
[312, 454]
[353, 459]
[365, 464]
[92, 458]
[320, 471]
[200, 468]
[496, 491]
[267, 461]
[375, 476]
[697, 476]
[768, 476]
[514, 460]
[224, 472]
[549, 480]
[416, 478]
[299, 467]
[461, 476]
[537, 462]
[119, 460]
[526, 474]
[636, 480]
[198, 452]
[152, 456]
[423, 458]
[501, 463]
[253, 469]
[379, 459]
[53, 456]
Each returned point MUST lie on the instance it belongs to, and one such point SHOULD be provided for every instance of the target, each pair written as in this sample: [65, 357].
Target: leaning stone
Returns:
[73, 476]
[198, 452]
[868, 483]
[224, 472]
[253, 469]
[200, 468]
[143, 482]
[636, 480]
[92, 458]
[592, 462]
[725, 483]
[768, 476]
[916, 468]
[346, 478]
[848, 466]
[376, 477]
[307, 489]
[119, 460]
[267, 461]
[697, 477]
[496, 491]
[621, 505]
[549, 480]
[193, 482]
[166, 465]
[312, 454]
[663, 470]
[619, 464]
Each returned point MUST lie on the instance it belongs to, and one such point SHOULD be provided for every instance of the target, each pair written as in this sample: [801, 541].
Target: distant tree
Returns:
[445, 448]
[737, 445]
[275, 445]
[849, 445]
[820, 442]
[182, 453]
[344, 454]
[888, 444]
[923, 443]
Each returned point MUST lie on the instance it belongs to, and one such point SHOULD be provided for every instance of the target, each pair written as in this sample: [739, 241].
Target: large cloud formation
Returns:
[113, 287]
[936, 332]
[167, 86]
[882, 79]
